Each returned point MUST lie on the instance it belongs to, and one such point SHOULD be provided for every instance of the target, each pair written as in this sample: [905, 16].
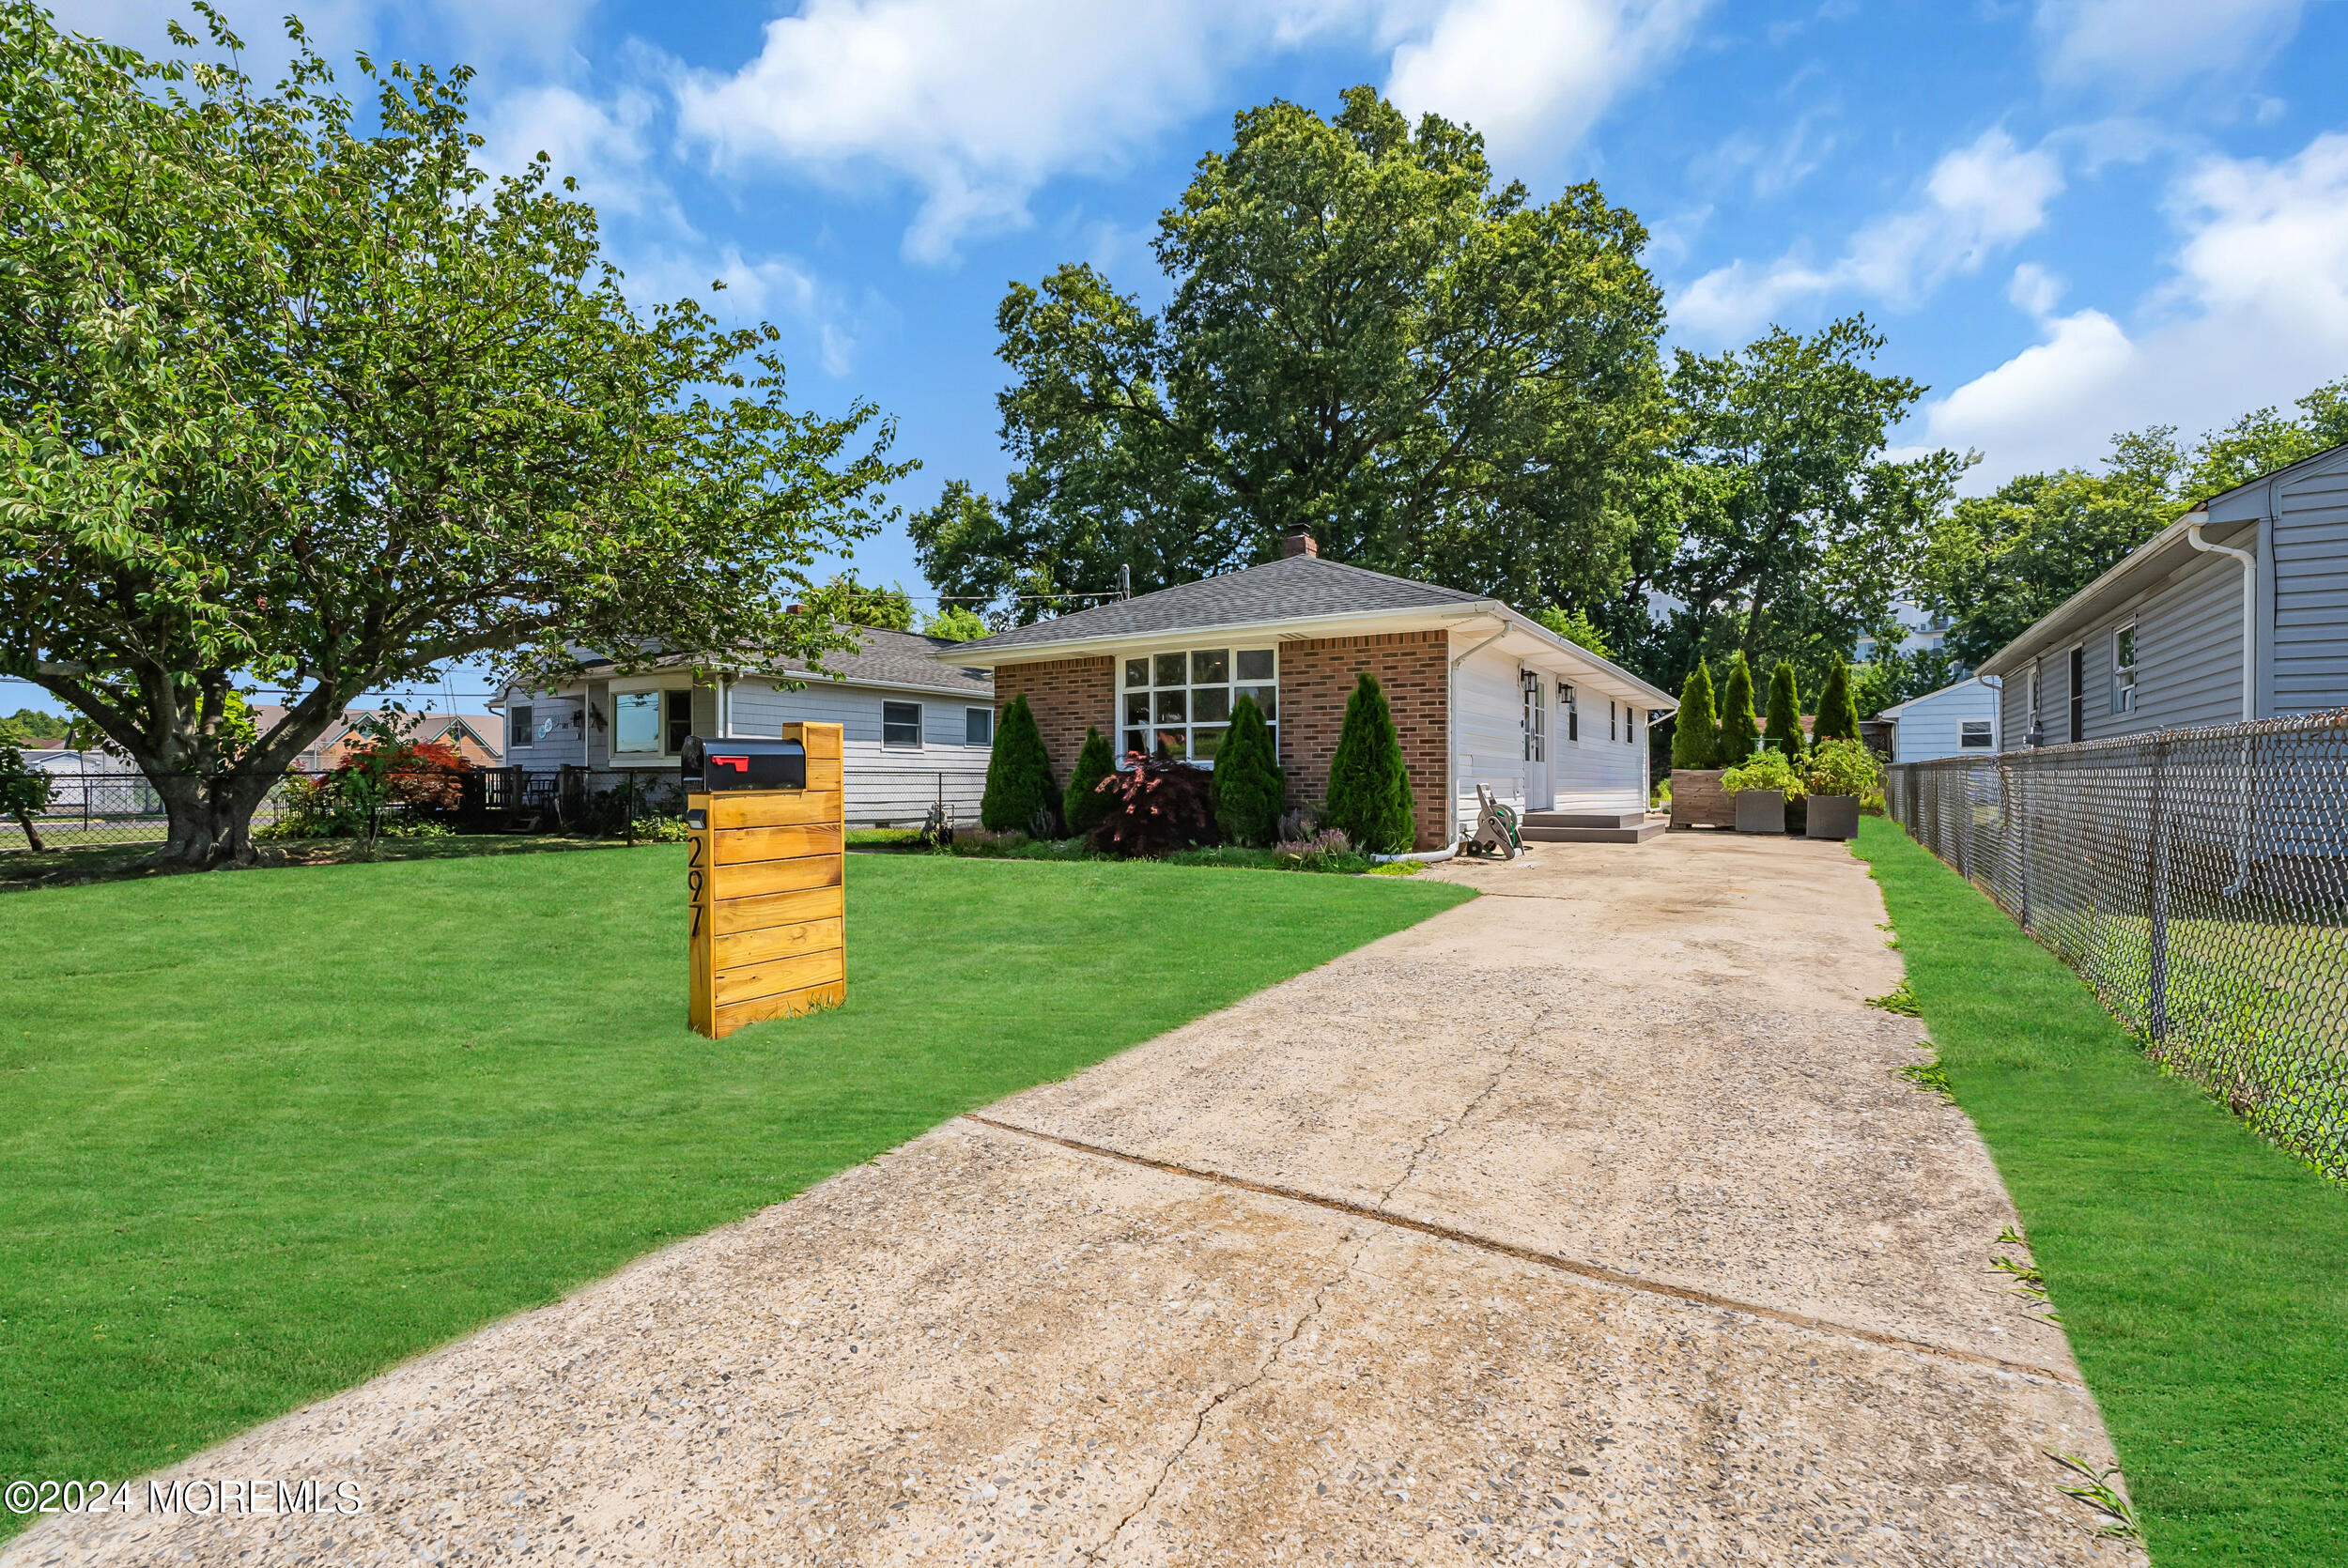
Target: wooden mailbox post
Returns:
[764, 877]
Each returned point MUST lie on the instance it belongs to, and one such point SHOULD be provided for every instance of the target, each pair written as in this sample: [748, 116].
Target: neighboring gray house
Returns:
[917, 731]
[2238, 610]
[1945, 723]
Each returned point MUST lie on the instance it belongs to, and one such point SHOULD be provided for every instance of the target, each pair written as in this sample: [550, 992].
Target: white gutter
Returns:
[1428, 857]
[2249, 613]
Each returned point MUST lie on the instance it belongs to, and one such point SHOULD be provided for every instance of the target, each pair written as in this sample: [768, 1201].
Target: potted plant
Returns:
[1842, 774]
[1761, 787]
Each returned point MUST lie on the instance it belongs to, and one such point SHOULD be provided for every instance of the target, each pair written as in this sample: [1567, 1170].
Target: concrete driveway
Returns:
[1585, 1223]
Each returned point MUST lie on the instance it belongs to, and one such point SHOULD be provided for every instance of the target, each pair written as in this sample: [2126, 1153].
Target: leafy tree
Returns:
[1785, 711]
[955, 625]
[1838, 715]
[1997, 563]
[1576, 628]
[850, 603]
[1791, 519]
[1739, 733]
[1084, 805]
[1369, 788]
[1018, 773]
[298, 394]
[1367, 337]
[24, 791]
[26, 725]
[1695, 734]
[1250, 791]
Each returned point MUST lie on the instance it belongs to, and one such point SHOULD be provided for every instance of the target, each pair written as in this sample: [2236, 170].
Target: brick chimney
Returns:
[1299, 543]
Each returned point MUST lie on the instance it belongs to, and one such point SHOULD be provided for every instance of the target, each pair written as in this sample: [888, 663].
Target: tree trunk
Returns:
[32, 835]
[209, 824]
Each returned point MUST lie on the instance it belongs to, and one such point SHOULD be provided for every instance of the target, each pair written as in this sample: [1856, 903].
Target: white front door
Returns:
[1536, 787]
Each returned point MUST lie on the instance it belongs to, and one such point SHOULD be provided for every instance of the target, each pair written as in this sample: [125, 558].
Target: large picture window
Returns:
[651, 723]
[1179, 705]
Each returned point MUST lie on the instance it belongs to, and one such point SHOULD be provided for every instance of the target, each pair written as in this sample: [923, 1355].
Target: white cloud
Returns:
[1532, 75]
[777, 288]
[979, 102]
[1977, 200]
[2034, 290]
[2255, 314]
[2142, 47]
[606, 146]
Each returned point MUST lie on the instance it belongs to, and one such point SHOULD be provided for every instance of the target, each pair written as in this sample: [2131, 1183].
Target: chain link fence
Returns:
[2197, 880]
[97, 808]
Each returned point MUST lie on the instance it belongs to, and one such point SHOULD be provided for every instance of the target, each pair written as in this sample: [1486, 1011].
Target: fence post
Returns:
[2021, 836]
[2157, 900]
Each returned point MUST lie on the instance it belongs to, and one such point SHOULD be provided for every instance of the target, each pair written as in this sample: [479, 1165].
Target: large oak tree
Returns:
[1367, 338]
[292, 397]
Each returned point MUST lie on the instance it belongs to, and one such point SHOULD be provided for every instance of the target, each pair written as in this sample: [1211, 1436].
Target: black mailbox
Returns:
[716, 763]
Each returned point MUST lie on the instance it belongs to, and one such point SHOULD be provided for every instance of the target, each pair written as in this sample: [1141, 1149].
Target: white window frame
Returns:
[1573, 727]
[920, 719]
[1533, 717]
[667, 691]
[519, 720]
[1966, 728]
[1189, 725]
[2124, 675]
[968, 713]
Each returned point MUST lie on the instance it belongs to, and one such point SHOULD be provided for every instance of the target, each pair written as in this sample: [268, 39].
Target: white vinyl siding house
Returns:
[1954, 721]
[914, 731]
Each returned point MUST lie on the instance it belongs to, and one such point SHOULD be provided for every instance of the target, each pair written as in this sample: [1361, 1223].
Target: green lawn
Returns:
[264, 1133]
[2202, 1273]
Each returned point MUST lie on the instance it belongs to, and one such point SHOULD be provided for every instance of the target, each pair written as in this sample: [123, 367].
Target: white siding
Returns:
[1593, 774]
[885, 783]
[1933, 725]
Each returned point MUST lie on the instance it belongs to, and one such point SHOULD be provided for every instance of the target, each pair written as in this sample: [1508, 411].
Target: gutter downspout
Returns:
[2249, 693]
[1451, 740]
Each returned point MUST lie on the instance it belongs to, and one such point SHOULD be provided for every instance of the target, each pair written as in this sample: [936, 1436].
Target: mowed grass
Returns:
[264, 1134]
[2202, 1273]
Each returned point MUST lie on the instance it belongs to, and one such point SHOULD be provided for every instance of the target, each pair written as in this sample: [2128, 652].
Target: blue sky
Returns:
[2069, 216]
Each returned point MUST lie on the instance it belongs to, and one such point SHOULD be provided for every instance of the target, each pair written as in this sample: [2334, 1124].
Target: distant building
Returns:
[475, 736]
[1949, 722]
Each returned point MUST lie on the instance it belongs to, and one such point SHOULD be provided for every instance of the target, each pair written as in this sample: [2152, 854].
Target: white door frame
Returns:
[1533, 698]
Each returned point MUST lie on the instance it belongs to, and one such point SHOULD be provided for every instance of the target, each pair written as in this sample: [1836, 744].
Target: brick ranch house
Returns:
[1480, 693]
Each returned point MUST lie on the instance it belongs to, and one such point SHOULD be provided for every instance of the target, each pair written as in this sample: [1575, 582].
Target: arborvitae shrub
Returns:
[1740, 729]
[1156, 806]
[1694, 737]
[1369, 788]
[1084, 805]
[1785, 711]
[1250, 791]
[1019, 774]
[1838, 713]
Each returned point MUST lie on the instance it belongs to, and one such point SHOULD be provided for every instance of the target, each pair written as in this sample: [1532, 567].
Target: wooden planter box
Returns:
[1833, 817]
[1698, 800]
[1760, 811]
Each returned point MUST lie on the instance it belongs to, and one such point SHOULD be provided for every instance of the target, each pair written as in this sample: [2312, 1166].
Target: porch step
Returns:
[1645, 830]
[1584, 819]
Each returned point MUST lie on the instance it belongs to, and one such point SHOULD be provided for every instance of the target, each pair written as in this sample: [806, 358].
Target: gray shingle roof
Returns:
[1295, 588]
[889, 658]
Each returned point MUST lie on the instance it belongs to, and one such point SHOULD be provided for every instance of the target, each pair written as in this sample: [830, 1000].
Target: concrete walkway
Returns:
[1586, 1223]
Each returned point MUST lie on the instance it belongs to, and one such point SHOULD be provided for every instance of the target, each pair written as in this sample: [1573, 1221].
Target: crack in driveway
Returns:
[1198, 1423]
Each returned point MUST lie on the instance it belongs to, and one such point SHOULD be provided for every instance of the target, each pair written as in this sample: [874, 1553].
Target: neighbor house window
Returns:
[977, 726]
[901, 724]
[518, 727]
[2124, 670]
[1573, 715]
[1610, 720]
[651, 723]
[1179, 705]
[1974, 734]
[1535, 720]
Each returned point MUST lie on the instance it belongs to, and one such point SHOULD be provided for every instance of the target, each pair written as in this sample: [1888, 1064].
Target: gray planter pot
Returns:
[1760, 811]
[1833, 817]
